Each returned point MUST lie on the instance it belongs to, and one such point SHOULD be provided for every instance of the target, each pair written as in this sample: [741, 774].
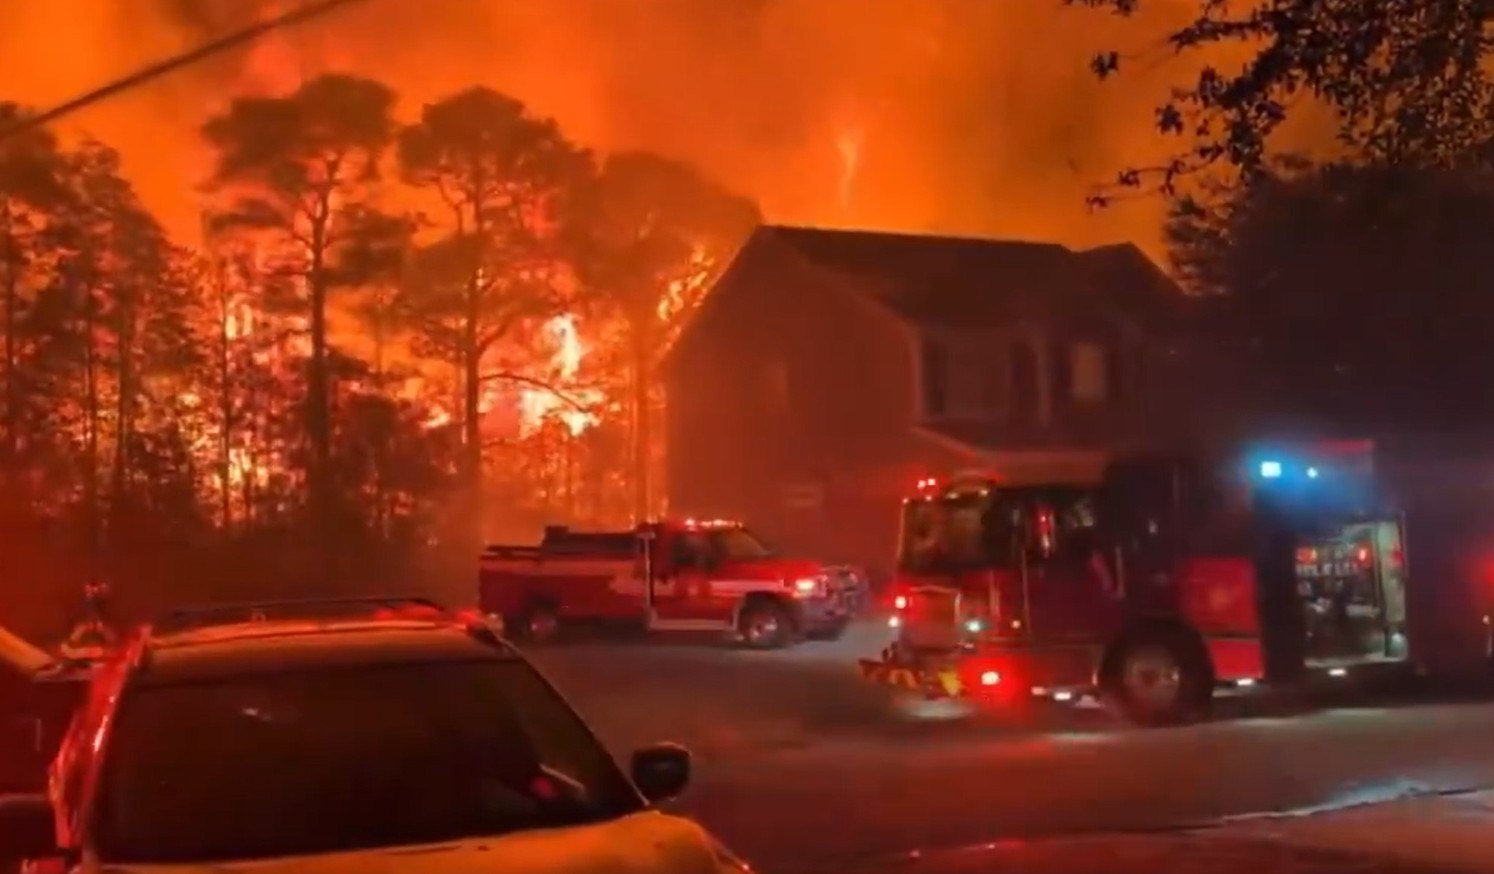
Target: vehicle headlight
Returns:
[808, 585]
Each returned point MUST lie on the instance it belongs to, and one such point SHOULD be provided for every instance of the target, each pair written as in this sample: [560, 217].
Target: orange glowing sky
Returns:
[972, 116]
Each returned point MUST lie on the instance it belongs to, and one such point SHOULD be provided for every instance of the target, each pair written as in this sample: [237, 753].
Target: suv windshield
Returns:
[347, 758]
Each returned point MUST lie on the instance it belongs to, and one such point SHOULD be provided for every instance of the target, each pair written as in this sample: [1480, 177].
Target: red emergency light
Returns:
[711, 524]
[988, 678]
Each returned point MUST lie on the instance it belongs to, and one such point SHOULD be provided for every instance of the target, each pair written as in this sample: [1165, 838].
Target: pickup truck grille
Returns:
[849, 587]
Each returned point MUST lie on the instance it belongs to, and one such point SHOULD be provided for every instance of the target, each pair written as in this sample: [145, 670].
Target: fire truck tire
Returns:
[538, 624]
[765, 624]
[1159, 677]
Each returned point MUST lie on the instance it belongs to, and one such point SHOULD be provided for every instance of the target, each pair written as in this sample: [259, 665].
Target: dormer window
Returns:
[1089, 373]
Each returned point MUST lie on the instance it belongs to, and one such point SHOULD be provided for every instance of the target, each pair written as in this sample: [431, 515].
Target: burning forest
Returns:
[393, 335]
[326, 290]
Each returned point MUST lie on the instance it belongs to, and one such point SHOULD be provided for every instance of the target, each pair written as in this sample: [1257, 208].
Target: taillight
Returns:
[900, 602]
[985, 676]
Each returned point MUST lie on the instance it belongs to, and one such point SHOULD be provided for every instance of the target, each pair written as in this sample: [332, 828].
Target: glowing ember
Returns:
[439, 417]
[683, 294]
[536, 404]
[243, 468]
[238, 322]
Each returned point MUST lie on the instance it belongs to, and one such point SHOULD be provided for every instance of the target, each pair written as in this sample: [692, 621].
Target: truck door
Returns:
[682, 595]
[1074, 588]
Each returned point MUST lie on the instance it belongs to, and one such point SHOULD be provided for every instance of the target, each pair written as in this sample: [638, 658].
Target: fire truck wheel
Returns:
[765, 624]
[539, 624]
[1158, 678]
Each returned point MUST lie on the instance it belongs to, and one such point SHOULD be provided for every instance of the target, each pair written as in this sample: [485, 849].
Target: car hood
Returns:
[644, 843]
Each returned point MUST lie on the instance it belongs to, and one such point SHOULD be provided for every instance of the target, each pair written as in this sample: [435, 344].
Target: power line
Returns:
[233, 40]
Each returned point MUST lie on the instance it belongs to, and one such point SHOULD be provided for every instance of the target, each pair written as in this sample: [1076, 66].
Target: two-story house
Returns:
[828, 371]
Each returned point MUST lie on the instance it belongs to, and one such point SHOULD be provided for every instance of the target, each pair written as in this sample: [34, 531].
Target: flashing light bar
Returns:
[712, 523]
[1271, 470]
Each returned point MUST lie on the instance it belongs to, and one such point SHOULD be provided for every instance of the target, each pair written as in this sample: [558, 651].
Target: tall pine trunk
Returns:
[12, 292]
[641, 355]
[318, 399]
[225, 397]
[124, 406]
[90, 419]
[472, 413]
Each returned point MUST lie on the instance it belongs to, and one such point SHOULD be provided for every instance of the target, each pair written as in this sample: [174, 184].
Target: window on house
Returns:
[1061, 373]
[1024, 383]
[935, 375]
[1088, 376]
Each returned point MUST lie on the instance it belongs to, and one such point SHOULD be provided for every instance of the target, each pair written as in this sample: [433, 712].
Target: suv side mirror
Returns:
[662, 771]
[28, 829]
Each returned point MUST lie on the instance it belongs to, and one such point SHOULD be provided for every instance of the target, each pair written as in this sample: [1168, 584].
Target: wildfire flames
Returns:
[574, 409]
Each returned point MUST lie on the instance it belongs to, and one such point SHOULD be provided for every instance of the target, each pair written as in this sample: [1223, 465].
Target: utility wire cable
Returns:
[299, 15]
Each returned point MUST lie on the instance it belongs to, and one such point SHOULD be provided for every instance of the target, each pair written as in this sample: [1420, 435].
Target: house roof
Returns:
[935, 280]
[930, 280]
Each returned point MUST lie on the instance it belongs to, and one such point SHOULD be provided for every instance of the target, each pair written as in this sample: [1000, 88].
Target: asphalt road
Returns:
[803, 767]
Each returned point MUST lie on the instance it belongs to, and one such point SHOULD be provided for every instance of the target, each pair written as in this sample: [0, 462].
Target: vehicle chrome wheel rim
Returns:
[762, 628]
[1152, 677]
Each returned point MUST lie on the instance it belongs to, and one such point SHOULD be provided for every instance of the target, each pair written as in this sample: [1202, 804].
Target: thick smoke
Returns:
[969, 116]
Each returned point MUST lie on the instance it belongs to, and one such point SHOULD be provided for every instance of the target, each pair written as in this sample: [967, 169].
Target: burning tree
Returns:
[502, 177]
[31, 171]
[294, 168]
[168, 407]
[649, 235]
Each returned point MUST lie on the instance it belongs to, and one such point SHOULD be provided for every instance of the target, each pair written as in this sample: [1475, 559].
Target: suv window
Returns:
[345, 758]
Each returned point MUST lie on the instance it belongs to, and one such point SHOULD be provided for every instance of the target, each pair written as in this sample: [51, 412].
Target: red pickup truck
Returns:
[674, 576]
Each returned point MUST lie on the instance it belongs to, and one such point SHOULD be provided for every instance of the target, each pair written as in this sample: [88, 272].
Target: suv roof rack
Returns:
[208, 615]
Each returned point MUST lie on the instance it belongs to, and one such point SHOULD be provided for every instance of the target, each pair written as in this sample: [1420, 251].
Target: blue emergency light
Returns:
[1270, 470]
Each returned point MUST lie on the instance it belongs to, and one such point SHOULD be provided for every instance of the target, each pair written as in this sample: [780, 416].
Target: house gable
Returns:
[735, 280]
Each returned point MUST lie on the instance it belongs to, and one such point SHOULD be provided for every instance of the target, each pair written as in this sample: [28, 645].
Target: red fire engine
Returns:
[1170, 578]
[683, 576]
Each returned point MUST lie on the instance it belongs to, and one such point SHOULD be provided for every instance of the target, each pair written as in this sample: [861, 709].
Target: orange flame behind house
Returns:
[570, 404]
